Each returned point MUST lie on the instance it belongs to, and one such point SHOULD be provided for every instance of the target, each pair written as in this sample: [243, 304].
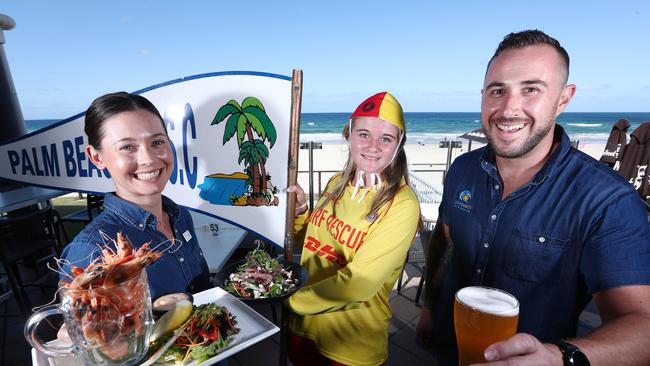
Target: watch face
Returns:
[578, 358]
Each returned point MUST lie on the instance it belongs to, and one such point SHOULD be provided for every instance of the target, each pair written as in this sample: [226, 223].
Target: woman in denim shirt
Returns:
[127, 137]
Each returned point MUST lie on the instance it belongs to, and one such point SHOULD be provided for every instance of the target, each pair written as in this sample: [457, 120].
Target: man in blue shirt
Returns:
[539, 219]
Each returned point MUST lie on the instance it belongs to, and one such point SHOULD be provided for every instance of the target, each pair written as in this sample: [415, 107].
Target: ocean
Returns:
[429, 127]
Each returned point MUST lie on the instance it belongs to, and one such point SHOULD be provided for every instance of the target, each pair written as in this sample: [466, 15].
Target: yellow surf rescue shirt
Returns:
[353, 263]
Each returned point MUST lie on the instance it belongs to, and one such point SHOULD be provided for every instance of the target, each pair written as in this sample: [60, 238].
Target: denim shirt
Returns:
[575, 229]
[182, 268]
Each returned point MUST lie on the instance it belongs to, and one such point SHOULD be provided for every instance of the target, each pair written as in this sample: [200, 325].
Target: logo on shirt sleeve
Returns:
[463, 201]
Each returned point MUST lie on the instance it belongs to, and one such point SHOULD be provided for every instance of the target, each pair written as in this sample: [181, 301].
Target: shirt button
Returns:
[181, 260]
[493, 217]
[478, 270]
[201, 254]
[140, 226]
[496, 186]
[541, 239]
[486, 245]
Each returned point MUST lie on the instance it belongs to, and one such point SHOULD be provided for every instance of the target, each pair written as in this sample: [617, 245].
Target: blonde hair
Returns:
[392, 176]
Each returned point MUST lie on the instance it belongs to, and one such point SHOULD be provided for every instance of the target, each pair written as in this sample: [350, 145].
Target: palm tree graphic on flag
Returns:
[253, 129]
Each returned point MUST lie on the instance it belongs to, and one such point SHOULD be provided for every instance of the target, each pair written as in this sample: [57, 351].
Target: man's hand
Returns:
[522, 349]
[424, 328]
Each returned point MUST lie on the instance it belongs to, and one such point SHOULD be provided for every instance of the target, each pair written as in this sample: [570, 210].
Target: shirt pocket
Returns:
[536, 257]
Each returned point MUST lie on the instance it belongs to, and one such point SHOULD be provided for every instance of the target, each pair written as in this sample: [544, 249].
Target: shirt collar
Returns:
[136, 215]
[488, 160]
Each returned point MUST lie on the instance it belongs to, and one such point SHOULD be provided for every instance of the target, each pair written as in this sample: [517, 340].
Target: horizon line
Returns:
[612, 112]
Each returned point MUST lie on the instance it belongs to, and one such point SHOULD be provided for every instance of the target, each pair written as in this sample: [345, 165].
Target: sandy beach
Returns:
[427, 161]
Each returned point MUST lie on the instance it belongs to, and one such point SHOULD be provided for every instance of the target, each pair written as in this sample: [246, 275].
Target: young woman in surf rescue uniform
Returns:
[355, 243]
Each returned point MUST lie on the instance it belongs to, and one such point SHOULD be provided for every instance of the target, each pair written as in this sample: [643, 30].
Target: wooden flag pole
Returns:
[294, 144]
[294, 138]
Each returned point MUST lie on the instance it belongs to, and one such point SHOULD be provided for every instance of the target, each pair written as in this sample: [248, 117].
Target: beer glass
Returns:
[108, 325]
[482, 316]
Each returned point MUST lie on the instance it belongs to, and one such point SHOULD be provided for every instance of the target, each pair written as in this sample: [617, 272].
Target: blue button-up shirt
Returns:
[182, 268]
[575, 229]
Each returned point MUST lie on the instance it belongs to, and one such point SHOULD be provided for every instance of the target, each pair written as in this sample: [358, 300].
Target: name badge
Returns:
[187, 235]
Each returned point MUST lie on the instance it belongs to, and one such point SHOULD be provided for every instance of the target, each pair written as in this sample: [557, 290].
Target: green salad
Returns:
[260, 277]
[205, 333]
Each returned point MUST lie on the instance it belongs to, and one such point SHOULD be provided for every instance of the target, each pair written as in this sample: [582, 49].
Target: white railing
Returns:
[426, 192]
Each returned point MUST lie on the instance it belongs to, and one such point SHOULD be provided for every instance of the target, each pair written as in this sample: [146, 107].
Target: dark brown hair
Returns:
[530, 38]
[109, 105]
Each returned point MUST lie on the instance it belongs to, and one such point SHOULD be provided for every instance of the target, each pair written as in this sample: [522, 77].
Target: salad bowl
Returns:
[298, 272]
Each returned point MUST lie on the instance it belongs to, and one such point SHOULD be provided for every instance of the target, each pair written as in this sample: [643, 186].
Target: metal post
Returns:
[311, 174]
[311, 146]
[450, 145]
[320, 179]
[11, 115]
[296, 105]
[448, 163]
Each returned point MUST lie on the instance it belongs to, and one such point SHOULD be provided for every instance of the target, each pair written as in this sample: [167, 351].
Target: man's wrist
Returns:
[557, 353]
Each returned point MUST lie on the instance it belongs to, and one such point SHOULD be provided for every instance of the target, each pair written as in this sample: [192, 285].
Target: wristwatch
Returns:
[571, 355]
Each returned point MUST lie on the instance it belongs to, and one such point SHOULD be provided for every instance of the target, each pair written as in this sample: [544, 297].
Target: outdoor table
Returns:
[21, 197]
[217, 244]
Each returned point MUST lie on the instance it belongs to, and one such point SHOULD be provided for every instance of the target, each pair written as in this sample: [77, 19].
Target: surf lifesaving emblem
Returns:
[463, 201]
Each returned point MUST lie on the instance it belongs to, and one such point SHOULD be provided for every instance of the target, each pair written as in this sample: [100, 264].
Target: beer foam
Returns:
[489, 300]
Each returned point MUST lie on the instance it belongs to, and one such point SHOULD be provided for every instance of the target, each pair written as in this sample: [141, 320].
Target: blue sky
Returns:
[430, 54]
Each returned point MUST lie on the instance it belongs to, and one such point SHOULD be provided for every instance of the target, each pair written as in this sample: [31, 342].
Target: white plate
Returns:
[253, 328]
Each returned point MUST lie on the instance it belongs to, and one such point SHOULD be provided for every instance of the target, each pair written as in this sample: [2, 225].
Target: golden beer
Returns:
[482, 316]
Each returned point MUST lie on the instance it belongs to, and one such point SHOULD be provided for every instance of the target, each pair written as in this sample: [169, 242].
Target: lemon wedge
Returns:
[171, 319]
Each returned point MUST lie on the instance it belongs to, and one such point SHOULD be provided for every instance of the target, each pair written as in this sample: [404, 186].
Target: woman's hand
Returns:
[301, 200]
[62, 334]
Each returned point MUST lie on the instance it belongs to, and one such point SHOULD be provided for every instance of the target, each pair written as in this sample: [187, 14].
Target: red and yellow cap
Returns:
[383, 106]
